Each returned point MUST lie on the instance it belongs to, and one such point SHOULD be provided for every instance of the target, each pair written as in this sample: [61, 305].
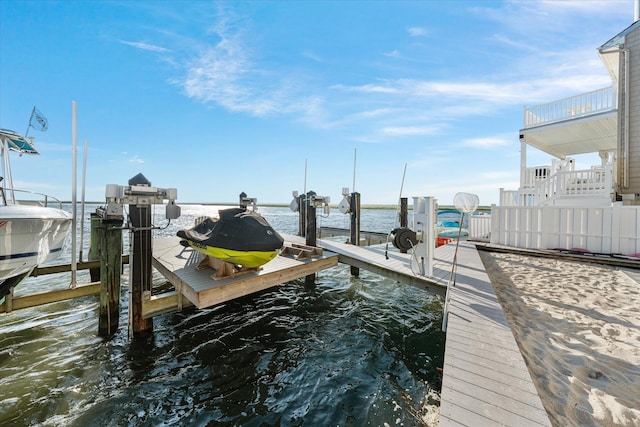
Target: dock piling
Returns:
[354, 213]
[140, 195]
[140, 217]
[94, 245]
[302, 224]
[311, 229]
[404, 217]
[108, 235]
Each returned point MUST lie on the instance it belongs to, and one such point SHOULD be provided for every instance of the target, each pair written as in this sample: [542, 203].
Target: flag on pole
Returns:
[42, 123]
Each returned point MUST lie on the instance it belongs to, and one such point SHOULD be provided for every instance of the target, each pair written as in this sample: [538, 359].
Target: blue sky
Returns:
[216, 98]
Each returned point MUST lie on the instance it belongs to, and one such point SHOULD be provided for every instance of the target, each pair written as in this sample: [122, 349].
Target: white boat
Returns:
[448, 224]
[31, 231]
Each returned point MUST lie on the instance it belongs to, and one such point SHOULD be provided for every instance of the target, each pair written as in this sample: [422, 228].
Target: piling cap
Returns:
[139, 180]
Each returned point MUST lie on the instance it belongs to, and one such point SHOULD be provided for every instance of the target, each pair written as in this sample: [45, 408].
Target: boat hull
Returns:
[29, 236]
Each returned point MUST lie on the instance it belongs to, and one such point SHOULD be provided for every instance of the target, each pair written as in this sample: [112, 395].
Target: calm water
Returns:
[342, 352]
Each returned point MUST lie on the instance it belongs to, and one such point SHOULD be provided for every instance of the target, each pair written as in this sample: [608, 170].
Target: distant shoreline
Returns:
[286, 205]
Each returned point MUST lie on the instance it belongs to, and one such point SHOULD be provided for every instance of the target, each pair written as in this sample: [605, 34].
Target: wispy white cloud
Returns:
[145, 46]
[136, 159]
[228, 70]
[489, 142]
[392, 54]
[312, 55]
[370, 88]
[417, 31]
[227, 73]
[410, 130]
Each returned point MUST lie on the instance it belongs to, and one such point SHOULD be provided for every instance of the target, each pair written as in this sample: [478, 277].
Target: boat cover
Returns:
[237, 229]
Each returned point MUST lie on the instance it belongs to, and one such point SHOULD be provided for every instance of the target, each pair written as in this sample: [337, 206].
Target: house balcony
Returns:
[585, 123]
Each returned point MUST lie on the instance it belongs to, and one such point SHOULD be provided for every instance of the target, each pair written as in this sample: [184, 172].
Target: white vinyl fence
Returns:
[480, 227]
[609, 230]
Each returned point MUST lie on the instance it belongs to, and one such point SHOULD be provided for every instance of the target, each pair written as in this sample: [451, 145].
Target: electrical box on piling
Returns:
[140, 196]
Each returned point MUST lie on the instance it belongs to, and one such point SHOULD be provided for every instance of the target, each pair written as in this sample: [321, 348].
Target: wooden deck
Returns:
[178, 265]
[485, 381]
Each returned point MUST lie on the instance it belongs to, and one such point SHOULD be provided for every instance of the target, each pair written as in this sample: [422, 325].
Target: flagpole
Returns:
[26, 134]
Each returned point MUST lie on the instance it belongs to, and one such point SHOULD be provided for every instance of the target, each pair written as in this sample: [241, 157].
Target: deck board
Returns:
[485, 381]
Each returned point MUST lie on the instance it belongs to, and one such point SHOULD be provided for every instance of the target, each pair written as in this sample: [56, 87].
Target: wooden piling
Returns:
[404, 217]
[404, 213]
[355, 226]
[108, 237]
[140, 217]
[311, 229]
[302, 212]
[94, 245]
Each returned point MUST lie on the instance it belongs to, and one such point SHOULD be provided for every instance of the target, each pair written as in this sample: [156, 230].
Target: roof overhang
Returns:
[610, 51]
[591, 134]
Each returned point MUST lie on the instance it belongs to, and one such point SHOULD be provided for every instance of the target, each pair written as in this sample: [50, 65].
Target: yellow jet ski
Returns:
[240, 237]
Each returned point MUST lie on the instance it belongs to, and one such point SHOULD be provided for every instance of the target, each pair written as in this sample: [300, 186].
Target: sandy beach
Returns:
[578, 327]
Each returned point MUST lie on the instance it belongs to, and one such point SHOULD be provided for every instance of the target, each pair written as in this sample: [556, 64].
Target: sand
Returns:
[578, 328]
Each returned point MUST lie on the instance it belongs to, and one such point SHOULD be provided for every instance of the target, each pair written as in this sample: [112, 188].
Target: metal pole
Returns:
[84, 179]
[355, 153]
[74, 220]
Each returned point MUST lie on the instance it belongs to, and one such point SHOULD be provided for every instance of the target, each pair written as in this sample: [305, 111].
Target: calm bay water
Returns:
[342, 352]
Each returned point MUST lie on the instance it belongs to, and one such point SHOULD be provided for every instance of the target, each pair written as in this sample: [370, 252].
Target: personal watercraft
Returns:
[240, 237]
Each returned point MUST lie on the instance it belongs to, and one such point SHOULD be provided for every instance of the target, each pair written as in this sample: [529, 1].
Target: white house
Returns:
[595, 209]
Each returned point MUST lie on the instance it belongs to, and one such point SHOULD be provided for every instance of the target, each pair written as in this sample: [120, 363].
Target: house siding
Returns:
[632, 43]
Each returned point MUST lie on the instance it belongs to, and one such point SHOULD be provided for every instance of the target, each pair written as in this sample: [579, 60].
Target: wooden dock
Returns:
[392, 264]
[485, 380]
[367, 238]
[178, 265]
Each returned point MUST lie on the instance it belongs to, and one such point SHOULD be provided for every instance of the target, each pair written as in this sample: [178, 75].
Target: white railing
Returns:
[589, 103]
[608, 230]
[595, 182]
[536, 174]
[561, 181]
[8, 197]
